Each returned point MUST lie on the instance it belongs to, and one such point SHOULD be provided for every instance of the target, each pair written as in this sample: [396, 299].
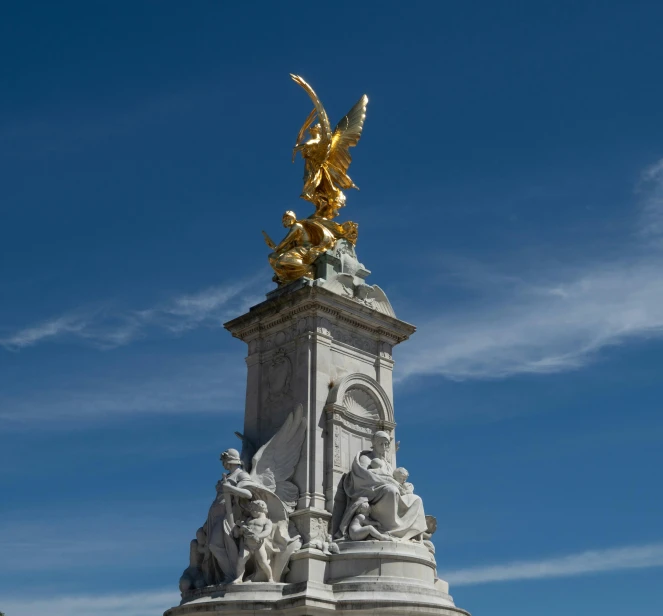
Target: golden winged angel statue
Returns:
[326, 155]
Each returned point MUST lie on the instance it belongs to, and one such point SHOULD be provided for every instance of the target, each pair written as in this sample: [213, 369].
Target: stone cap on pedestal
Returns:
[305, 298]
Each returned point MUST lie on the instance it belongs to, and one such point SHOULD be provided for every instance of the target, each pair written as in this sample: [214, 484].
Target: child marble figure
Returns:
[193, 577]
[379, 466]
[252, 534]
[401, 475]
[363, 527]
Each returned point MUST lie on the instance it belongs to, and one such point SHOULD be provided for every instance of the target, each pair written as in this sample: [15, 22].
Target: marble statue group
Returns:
[373, 488]
[246, 531]
[247, 536]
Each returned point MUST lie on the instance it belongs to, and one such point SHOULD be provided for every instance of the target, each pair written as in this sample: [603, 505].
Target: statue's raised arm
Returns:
[321, 137]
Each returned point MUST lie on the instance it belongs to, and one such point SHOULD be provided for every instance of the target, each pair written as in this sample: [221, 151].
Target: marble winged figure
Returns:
[326, 153]
[266, 478]
[274, 463]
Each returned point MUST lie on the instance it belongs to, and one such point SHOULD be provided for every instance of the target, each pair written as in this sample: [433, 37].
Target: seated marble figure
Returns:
[393, 505]
[193, 576]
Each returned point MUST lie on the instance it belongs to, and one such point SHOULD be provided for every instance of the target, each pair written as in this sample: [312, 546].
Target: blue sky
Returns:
[511, 206]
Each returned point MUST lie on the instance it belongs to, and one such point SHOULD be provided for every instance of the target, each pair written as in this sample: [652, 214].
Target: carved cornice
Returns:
[311, 301]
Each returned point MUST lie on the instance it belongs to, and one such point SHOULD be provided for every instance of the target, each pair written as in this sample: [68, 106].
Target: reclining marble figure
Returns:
[363, 526]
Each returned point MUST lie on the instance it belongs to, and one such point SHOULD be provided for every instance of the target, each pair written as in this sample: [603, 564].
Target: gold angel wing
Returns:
[326, 136]
[346, 135]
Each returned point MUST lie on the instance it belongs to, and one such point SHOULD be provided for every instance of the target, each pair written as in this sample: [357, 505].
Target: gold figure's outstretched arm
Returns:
[269, 241]
[300, 137]
[346, 135]
[326, 133]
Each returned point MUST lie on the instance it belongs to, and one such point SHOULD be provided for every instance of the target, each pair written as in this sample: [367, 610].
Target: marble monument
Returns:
[313, 515]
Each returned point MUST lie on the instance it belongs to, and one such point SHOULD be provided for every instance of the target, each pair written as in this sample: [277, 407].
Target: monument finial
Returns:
[326, 155]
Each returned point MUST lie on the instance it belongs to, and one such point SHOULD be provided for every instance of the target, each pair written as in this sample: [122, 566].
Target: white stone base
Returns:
[366, 560]
[315, 599]
[367, 577]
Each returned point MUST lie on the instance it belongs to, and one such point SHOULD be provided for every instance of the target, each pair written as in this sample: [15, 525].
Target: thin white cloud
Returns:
[595, 561]
[97, 539]
[149, 603]
[561, 321]
[95, 535]
[540, 330]
[554, 324]
[67, 324]
[108, 329]
[192, 384]
[651, 187]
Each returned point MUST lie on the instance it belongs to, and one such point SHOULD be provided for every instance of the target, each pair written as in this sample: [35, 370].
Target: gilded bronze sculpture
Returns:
[326, 161]
[294, 255]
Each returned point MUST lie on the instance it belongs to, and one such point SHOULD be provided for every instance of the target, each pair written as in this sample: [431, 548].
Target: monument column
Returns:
[302, 342]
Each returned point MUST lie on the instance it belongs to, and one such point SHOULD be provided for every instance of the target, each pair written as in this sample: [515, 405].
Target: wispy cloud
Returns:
[651, 187]
[147, 603]
[539, 330]
[96, 535]
[84, 543]
[66, 324]
[550, 322]
[106, 328]
[595, 561]
[153, 602]
[558, 322]
[193, 384]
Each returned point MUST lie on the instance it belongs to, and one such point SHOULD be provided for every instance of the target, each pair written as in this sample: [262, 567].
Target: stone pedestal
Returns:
[315, 599]
[326, 345]
[366, 577]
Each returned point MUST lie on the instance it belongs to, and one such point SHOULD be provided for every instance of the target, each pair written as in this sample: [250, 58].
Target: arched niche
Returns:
[357, 407]
[363, 397]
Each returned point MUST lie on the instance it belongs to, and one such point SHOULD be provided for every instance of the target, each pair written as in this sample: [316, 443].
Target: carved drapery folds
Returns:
[376, 501]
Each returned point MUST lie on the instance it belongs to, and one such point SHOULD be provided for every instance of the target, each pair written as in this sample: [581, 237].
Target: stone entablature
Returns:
[311, 308]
